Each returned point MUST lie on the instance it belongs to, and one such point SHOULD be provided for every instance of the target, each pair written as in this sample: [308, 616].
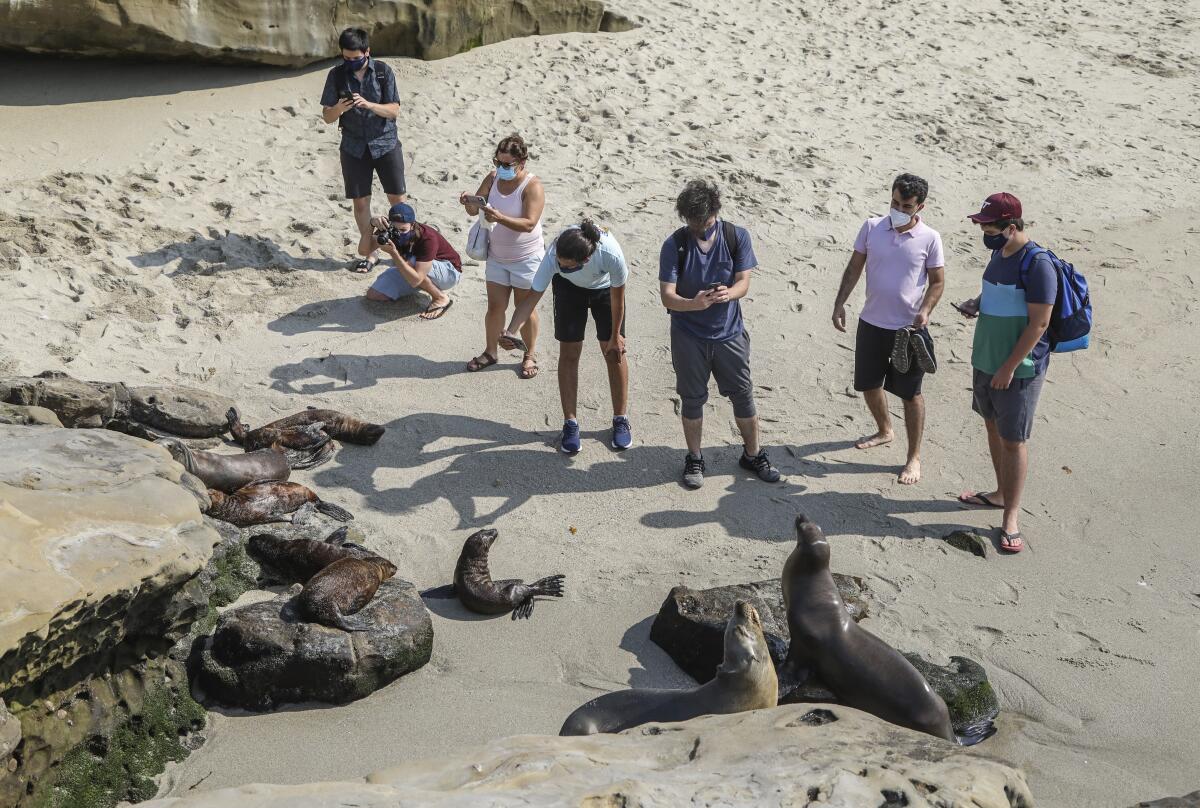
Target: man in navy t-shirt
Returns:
[704, 270]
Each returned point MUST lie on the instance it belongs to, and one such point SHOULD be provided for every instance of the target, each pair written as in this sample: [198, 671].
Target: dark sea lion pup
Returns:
[306, 445]
[271, 501]
[336, 425]
[865, 672]
[343, 588]
[745, 680]
[474, 586]
[297, 560]
[228, 473]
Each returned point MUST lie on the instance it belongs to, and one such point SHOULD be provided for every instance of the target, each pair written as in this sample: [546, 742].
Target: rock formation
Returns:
[787, 756]
[289, 34]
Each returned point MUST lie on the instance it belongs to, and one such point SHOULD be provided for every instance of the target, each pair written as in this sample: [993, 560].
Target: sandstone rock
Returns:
[294, 35]
[179, 410]
[76, 403]
[969, 542]
[690, 627]
[265, 654]
[1186, 801]
[20, 415]
[98, 538]
[787, 756]
[10, 736]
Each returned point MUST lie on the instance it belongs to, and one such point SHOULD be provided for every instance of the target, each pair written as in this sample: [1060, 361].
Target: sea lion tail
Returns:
[310, 457]
[334, 512]
[350, 624]
[551, 587]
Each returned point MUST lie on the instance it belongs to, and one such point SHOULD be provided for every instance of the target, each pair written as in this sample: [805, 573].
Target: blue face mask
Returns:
[994, 242]
[356, 64]
[506, 172]
[403, 238]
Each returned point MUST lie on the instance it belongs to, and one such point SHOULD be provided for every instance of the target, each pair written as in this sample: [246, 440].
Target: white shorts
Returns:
[518, 274]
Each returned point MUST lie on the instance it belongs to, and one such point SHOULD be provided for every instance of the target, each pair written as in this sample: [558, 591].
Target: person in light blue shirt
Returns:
[587, 269]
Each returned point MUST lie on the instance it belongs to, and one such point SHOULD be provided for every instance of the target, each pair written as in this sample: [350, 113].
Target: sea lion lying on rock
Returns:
[297, 560]
[306, 445]
[343, 588]
[477, 591]
[271, 501]
[228, 473]
[744, 681]
[862, 670]
[336, 425]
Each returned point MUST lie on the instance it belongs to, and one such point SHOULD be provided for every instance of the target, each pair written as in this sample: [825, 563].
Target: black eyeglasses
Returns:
[513, 164]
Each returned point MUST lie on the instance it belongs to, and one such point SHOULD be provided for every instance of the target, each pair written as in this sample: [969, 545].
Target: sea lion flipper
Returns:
[338, 536]
[334, 512]
[525, 610]
[350, 624]
[551, 586]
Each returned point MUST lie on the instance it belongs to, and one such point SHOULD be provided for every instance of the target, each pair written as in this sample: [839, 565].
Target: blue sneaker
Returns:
[570, 437]
[622, 437]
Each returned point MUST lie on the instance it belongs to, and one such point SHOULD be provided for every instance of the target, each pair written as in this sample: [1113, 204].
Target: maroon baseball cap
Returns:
[997, 207]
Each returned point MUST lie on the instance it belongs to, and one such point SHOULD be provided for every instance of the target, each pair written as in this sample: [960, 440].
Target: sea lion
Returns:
[474, 586]
[745, 680]
[862, 670]
[306, 445]
[297, 560]
[228, 473]
[336, 425]
[343, 588]
[270, 501]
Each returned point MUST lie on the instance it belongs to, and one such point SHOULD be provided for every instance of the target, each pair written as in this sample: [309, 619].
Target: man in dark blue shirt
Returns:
[703, 271]
[360, 94]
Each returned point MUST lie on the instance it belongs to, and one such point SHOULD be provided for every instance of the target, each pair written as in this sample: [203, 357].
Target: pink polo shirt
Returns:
[897, 270]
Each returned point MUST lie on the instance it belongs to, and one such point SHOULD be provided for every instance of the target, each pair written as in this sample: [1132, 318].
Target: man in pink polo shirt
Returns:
[905, 277]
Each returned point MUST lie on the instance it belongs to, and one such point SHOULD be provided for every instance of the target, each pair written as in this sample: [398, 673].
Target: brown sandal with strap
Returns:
[484, 360]
[529, 372]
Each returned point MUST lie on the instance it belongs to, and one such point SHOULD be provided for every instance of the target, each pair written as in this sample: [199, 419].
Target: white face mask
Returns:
[899, 218]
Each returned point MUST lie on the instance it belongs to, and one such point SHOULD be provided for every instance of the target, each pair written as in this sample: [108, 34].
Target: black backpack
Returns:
[681, 241]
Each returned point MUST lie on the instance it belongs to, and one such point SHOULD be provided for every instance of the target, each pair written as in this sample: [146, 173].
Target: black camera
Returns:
[391, 234]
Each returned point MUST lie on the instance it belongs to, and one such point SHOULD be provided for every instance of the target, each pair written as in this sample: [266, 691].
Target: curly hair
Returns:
[698, 200]
[514, 145]
[910, 185]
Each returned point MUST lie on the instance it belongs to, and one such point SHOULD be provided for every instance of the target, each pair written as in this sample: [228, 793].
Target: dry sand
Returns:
[183, 224]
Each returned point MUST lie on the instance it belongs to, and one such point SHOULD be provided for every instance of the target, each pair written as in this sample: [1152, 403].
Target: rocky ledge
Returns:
[289, 35]
[787, 756]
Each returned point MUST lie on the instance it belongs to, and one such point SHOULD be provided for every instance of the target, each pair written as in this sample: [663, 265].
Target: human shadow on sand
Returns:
[221, 253]
[346, 372]
[349, 315]
[805, 458]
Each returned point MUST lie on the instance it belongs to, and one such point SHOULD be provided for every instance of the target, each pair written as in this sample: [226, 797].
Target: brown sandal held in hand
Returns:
[532, 370]
[484, 360]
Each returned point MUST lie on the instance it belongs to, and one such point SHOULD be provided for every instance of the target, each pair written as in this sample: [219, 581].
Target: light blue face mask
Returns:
[506, 172]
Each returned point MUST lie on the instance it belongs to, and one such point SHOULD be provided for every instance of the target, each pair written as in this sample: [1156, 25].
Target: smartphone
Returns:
[346, 95]
[478, 201]
[712, 287]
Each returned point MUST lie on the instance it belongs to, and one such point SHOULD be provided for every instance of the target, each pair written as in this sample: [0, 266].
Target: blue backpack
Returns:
[1071, 318]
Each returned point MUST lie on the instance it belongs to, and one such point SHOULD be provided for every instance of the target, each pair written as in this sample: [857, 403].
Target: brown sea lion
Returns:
[745, 680]
[228, 473]
[306, 445]
[270, 501]
[474, 586]
[862, 670]
[297, 560]
[343, 588]
[336, 425]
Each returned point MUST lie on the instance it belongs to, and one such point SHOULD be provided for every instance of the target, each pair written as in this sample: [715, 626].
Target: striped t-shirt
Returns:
[1004, 312]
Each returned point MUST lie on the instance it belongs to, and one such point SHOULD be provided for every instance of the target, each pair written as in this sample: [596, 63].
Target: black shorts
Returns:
[571, 307]
[873, 364]
[356, 173]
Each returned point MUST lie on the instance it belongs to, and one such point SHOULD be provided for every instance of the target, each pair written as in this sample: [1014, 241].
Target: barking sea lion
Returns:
[228, 473]
[306, 445]
[270, 501]
[865, 672]
[474, 586]
[343, 588]
[745, 681]
[297, 560]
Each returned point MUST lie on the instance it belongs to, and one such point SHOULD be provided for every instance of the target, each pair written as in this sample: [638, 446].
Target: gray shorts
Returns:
[696, 359]
[392, 283]
[1012, 409]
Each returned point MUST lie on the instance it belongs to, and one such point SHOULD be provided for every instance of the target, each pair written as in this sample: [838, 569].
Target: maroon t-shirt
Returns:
[431, 246]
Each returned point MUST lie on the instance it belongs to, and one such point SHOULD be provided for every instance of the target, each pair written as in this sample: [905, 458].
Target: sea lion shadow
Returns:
[347, 315]
[442, 601]
[657, 669]
[346, 372]
[229, 251]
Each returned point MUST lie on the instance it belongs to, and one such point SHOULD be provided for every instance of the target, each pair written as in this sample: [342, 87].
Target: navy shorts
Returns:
[357, 171]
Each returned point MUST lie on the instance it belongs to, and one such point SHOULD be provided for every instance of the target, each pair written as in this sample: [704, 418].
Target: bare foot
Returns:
[871, 441]
[911, 473]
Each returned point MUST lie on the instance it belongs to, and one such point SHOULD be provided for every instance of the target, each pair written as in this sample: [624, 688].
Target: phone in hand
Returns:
[346, 95]
[477, 201]
[712, 287]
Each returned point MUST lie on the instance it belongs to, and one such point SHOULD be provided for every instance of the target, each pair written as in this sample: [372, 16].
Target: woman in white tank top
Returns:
[515, 199]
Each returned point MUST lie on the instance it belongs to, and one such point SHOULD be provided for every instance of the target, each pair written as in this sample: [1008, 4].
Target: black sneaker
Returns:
[922, 347]
[693, 471]
[901, 359]
[760, 464]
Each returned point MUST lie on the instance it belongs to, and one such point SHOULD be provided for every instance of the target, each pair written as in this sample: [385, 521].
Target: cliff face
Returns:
[287, 33]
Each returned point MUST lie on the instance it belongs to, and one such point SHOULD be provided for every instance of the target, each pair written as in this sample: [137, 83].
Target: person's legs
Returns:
[522, 283]
[1013, 465]
[618, 381]
[568, 377]
[692, 361]
[731, 369]
[877, 403]
[493, 320]
[362, 218]
[914, 425]
[390, 170]
[749, 429]
[389, 286]
[442, 276]
[872, 362]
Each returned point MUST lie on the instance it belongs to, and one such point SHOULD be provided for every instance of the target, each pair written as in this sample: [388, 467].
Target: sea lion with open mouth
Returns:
[343, 588]
[862, 670]
[228, 473]
[474, 586]
[745, 680]
[271, 501]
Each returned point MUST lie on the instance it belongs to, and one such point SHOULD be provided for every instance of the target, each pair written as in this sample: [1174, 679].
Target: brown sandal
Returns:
[484, 360]
[529, 372]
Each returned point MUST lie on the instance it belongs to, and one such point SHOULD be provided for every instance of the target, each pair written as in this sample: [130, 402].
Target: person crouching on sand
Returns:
[512, 199]
[421, 259]
[588, 271]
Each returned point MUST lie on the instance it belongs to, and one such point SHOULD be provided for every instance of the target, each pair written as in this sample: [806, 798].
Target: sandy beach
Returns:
[185, 225]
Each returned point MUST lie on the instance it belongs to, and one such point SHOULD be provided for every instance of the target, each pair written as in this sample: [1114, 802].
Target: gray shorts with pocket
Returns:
[695, 360]
[1012, 409]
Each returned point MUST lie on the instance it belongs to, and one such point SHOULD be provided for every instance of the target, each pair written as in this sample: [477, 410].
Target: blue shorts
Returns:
[392, 283]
